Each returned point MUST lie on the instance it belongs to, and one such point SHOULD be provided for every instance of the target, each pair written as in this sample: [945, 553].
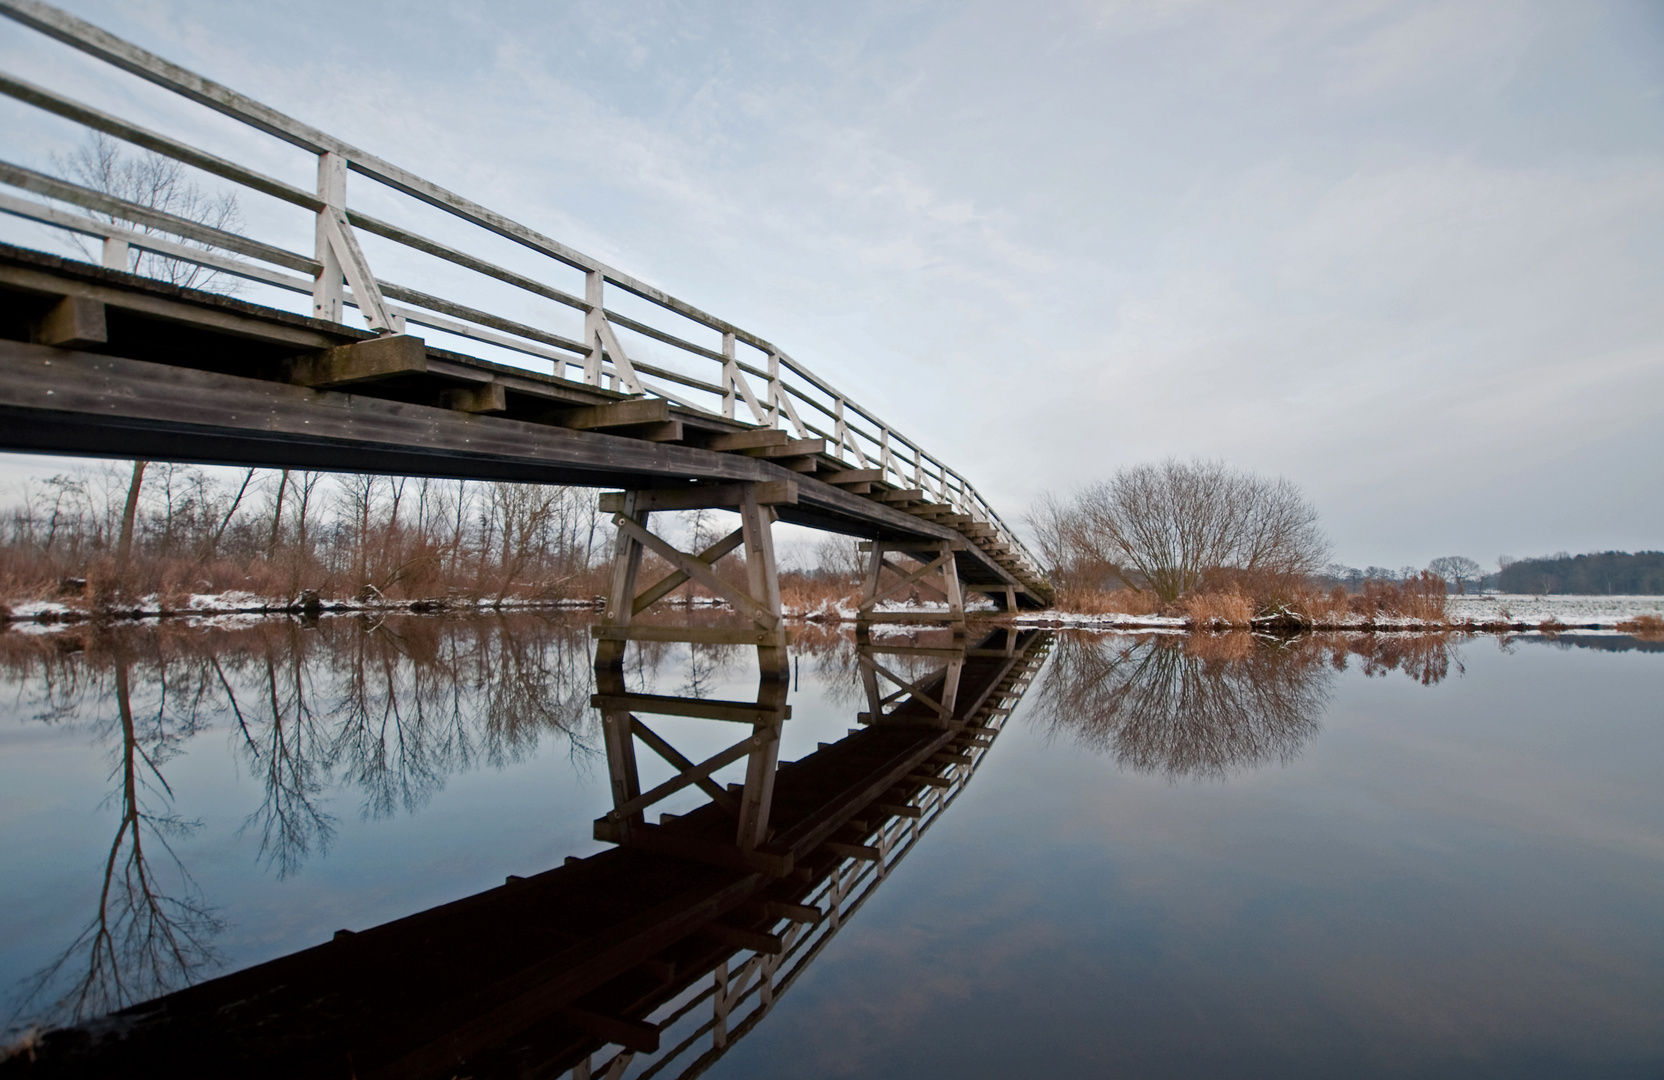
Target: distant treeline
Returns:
[1607, 572]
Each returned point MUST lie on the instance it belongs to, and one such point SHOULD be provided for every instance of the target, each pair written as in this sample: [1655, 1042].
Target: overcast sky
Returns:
[1409, 255]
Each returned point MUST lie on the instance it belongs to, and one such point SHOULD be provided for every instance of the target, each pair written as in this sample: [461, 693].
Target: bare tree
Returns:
[1456, 569]
[157, 183]
[1173, 526]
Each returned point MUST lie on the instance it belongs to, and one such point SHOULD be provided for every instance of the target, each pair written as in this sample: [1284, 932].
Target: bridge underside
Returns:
[101, 363]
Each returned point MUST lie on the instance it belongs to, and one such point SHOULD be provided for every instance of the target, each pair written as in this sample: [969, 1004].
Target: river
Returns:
[1223, 855]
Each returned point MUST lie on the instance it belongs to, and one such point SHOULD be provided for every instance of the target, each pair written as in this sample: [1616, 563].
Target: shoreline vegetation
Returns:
[1175, 546]
[814, 602]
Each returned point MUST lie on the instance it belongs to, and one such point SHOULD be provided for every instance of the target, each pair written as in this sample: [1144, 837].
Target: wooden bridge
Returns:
[535, 362]
[632, 962]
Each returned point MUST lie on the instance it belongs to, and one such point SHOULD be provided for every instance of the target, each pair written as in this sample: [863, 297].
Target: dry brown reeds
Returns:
[1421, 598]
[1231, 609]
[1086, 601]
[1645, 627]
[810, 597]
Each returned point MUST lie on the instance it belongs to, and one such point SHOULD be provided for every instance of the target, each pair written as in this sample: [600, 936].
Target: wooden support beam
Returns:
[669, 431]
[702, 497]
[738, 712]
[72, 323]
[385, 357]
[900, 495]
[903, 810]
[798, 913]
[636, 1035]
[853, 851]
[741, 938]
[747, 440]
[694, 635]
[617, 414]
[486, 397]
[853, 476]
[789, 448]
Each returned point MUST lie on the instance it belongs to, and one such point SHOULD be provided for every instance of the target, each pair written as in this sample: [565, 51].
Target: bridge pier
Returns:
[748, 804]
[936, 572]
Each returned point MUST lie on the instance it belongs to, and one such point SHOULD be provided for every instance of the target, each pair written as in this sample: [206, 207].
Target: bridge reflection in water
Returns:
[649, 958]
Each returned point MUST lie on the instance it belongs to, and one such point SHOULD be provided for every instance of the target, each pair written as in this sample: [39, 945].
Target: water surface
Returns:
[1186, 855]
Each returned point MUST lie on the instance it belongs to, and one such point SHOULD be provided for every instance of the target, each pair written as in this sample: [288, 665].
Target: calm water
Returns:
[1211, 856]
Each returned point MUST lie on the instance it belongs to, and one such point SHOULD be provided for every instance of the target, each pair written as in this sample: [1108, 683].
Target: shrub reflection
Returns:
[1212, 705]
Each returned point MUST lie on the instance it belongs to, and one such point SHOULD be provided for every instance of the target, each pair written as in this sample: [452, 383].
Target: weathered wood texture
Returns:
[191, 377]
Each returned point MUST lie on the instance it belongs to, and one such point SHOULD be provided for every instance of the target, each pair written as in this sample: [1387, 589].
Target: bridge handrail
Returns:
[601, 356]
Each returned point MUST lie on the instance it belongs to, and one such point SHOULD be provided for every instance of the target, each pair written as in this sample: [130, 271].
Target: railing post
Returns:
[730, 375]
[840, 429]
[775, 391]
[885, 462]
[593, 296]
[328, 289]
[115, 254]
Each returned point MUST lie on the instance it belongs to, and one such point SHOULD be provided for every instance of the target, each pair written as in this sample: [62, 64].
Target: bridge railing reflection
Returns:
[794, 922]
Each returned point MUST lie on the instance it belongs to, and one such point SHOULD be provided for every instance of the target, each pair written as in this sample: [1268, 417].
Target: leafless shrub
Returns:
[1171, 527]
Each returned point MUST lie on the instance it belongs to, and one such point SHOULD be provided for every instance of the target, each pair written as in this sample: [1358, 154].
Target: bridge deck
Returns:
[185, 375]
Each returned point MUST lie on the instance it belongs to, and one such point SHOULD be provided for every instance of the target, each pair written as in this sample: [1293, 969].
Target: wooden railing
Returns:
[735, 374]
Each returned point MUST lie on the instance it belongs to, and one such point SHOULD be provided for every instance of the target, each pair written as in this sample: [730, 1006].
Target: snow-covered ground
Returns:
[1572, 610]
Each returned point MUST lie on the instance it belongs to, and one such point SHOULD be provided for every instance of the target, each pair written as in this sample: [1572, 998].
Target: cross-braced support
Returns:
[927, 699]
[759, 599]
[621, 711]
[935, 573]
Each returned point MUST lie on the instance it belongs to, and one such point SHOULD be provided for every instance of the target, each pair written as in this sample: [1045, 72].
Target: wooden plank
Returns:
[703, 496]
[694, 635]
[620, 414]
[73, 322]
[738, 712]
[682, 765]
[378, 358]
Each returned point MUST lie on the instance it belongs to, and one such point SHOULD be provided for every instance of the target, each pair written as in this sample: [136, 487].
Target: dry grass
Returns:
[1107, 602]
[806, 597]
[1645, 627]
[1231, 609]
[1420, 598]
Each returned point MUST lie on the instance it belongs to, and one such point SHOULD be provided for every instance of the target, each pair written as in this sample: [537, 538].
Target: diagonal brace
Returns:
[928, 568]
[665, 585]
[699, 571]
[682, 764]
[699, 772]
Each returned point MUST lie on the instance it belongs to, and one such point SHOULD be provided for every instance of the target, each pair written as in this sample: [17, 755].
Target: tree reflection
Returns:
[389, 709]
[151, 930]
[1209, 705]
